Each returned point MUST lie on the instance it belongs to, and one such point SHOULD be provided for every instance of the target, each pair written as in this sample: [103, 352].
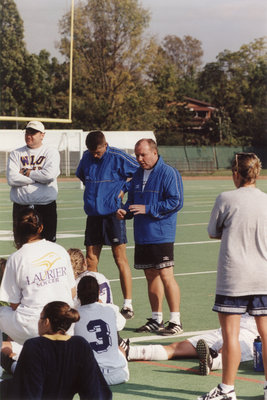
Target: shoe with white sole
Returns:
[217, 394]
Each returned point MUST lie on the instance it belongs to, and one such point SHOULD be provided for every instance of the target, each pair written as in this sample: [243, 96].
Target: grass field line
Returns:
[8, 236]
[180, 274]
[159, 337]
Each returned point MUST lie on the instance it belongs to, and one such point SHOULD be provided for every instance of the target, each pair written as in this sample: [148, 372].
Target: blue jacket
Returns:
[104, 178]
[163, 197]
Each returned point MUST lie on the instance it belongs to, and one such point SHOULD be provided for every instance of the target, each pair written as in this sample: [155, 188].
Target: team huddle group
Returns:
[60, 324]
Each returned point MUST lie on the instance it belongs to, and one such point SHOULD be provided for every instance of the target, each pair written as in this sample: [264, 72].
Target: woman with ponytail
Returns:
[37, 273]
[56, 365]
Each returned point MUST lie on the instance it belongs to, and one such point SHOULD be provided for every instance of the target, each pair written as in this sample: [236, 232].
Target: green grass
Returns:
[195, 271]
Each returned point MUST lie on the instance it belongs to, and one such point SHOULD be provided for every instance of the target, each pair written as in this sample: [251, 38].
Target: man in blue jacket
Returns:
[105, 171]
[154, 199]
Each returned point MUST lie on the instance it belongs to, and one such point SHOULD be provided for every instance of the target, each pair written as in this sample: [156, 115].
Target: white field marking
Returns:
[176, 244]
[178, 225]
[159, 337]
[182, 274]
[194, 212]
[196, 224]
[8, 235]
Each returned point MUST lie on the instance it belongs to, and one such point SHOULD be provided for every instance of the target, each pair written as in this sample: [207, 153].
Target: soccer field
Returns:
[195, 271]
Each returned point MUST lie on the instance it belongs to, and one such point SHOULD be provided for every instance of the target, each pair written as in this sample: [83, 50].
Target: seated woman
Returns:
[37, 273]
[56, 365]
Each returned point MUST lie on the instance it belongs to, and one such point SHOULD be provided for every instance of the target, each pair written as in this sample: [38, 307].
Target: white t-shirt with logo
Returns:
[36, 274]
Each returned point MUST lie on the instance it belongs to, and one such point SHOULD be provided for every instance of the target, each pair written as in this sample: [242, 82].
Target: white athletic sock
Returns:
[226, 388]
[217, 362]
[158, 316]
[128, 303]
[175, 317]
[148, 352]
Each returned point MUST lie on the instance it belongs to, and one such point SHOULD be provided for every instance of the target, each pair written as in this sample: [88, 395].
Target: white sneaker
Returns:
[217, 394]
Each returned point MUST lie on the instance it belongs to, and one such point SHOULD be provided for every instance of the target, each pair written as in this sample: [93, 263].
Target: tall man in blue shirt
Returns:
[105, 171]
[154, 199]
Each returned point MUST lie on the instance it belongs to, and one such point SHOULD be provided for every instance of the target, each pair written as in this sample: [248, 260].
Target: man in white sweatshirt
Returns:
[32, 172]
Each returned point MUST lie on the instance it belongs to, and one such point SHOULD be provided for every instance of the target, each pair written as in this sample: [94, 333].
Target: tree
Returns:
[30, 84]
[237, 84]
[12, 58]
[186, 54]
[173, 74]
[110, 57]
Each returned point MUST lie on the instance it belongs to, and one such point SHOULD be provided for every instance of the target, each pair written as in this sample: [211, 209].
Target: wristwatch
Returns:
[25, 171]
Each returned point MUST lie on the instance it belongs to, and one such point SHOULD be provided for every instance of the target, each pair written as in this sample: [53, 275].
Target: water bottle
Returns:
[257, 353]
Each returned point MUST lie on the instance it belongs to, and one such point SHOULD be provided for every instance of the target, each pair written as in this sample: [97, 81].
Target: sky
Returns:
[218, 24]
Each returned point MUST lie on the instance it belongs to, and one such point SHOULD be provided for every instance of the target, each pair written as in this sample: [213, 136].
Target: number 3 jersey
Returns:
[99, 324]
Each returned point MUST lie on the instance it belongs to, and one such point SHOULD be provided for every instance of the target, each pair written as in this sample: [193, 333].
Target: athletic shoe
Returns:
[205, 358]
[172, 329]
[125, 345]
[6, 362]
[127, 313]
[151, 326]
[217, 394]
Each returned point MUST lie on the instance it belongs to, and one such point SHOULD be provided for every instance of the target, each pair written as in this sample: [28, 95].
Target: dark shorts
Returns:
[153, 256]
[255, 305]
[105, 229]
[49, 217]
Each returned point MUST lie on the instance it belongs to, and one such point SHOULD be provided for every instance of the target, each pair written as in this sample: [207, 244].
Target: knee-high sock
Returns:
[148, 352]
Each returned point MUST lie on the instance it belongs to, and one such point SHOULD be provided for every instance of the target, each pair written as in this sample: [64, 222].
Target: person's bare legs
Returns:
[155, 289]
[92, 256]
[261, 322]
[180, 350]
[171, 288]
[231, 352]
[120, 258]
[158, 352]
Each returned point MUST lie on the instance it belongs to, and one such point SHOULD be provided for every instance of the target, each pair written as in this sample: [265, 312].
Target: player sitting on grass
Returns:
[79, 266]
[99, 324]
[206, 347]
[55, 365]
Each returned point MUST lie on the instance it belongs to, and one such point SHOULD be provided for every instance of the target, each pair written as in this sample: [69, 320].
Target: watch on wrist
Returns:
[25, 171]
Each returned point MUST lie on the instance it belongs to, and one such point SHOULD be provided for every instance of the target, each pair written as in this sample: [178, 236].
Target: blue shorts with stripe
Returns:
[255, 305]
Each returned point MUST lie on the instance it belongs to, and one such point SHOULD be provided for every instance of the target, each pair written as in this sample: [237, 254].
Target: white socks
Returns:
[149, 352]
[158, 316]
[175, 318]
[127, 303]
[226, 388]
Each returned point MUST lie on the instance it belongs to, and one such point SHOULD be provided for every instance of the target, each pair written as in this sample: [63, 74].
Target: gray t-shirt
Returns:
[239, 219]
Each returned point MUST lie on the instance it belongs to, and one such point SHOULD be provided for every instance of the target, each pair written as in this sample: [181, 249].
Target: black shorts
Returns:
[105, 229]
[49, 217]
[153, 256]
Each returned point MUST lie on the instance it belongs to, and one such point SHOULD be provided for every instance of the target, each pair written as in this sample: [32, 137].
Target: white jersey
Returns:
[36, 274]
[248, 332]
[105, 293]
[41, 186]
[99, 324]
